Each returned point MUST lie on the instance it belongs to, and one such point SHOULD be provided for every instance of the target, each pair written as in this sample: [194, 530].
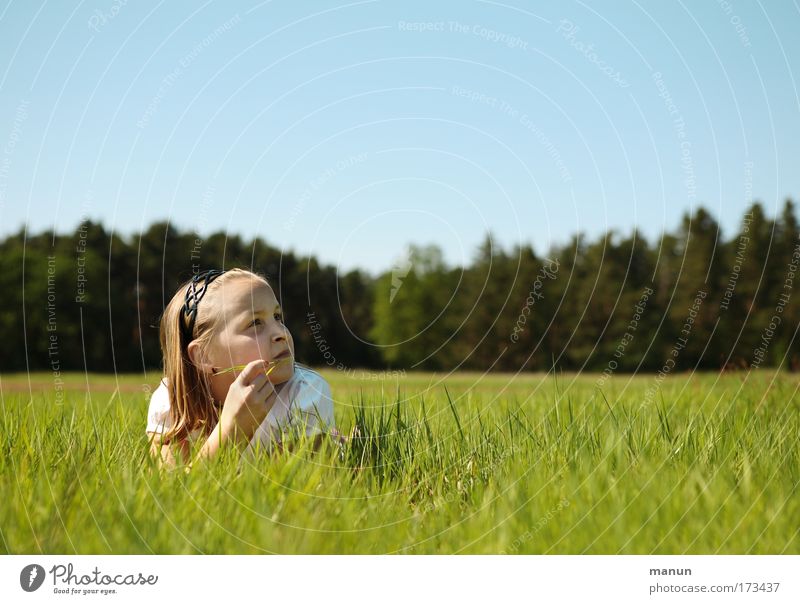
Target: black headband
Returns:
[194, 293]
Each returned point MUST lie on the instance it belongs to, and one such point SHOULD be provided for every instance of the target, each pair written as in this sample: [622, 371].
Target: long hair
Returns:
[192, 405]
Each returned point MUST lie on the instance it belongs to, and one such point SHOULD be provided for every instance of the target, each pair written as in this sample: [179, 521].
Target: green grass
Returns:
[463, 463]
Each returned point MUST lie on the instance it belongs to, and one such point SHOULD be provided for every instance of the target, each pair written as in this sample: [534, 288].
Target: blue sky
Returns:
[348, 130]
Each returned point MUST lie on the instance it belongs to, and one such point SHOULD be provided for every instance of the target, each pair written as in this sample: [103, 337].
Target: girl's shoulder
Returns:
[160, 396]
[304, 376]
[309, 393]
[158, 417]
[306, 372]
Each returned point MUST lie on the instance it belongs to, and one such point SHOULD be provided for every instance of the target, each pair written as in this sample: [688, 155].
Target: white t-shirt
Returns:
[304, 401]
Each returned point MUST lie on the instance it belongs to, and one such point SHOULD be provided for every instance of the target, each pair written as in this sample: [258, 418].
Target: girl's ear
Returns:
[198, 357]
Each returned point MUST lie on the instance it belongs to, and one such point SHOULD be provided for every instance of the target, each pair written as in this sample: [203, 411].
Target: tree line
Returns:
[91, 300]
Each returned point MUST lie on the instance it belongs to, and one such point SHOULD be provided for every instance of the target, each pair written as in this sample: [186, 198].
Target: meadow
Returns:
[465, 463]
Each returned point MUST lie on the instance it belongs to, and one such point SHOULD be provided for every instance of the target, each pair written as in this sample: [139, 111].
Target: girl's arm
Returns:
[164, 454]
[249, 400]
[169, 456]
[220, 437]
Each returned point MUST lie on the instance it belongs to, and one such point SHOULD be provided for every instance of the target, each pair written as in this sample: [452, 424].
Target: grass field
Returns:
[464, 463]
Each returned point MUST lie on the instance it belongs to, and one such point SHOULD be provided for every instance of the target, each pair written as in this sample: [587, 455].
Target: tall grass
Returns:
[436, 464]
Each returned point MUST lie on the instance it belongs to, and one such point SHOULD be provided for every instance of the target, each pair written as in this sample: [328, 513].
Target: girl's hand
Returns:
[249, 400]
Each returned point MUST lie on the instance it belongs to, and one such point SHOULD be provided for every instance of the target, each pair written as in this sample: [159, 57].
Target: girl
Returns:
[230, 376]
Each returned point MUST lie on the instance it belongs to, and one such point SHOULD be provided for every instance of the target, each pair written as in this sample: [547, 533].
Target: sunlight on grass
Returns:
[436, 464]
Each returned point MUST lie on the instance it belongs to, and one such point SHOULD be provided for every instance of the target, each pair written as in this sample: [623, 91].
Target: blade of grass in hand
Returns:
[272, 364]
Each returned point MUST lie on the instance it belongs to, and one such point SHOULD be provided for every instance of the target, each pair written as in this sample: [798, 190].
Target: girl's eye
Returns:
[256, 322]
[278, 317]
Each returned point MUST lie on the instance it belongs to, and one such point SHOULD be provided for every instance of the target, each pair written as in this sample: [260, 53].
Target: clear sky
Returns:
[348, 130]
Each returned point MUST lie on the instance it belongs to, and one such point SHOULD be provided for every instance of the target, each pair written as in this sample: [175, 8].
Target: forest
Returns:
[694, 299]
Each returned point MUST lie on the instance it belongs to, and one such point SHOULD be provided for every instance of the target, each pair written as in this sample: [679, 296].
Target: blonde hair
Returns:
[192, 405]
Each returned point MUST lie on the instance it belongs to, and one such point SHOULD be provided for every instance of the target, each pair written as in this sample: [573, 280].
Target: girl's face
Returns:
[251, 328]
